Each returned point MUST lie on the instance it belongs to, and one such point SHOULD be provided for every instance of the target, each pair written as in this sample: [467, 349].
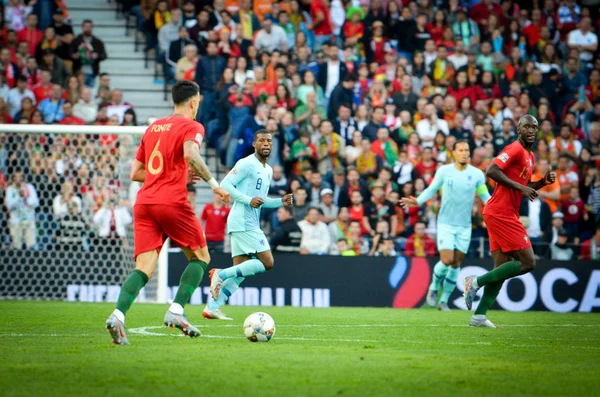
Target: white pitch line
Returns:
[144, 332]
[398, 325]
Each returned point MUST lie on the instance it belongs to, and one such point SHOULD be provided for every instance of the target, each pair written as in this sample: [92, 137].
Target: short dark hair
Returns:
[87, 21]
[21, 78]
[288, 210]
[184, 90]
[260, 132]
[458, 142]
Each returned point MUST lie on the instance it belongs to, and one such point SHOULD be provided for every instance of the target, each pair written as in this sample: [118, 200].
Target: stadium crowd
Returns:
[62, 191]
[365, 100]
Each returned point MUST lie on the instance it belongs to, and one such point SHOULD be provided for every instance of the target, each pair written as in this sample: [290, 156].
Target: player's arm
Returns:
[548, 179]
[495, 171]
[426, 194]
[482, 190]
[191, 153]
[232, 180]
[138, 171]
[286, 200]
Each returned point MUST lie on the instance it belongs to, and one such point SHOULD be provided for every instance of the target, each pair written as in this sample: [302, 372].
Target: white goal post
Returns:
[72, 246]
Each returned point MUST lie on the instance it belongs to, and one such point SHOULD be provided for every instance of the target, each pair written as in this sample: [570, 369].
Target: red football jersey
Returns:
[216, 222]
[161, 151]
[517, 163]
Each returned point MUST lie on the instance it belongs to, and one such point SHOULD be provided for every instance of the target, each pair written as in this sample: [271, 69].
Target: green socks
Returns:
[449, 283]
[490, 292]
[248, 268]
[190, 279]
[439, 271]
[130, 290]
[503, 272]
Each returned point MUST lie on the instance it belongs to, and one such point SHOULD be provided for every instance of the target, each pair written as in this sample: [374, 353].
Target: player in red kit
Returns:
[509, 242]
[169, 148]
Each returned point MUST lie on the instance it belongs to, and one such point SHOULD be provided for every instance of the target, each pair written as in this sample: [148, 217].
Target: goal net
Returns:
[66, 224]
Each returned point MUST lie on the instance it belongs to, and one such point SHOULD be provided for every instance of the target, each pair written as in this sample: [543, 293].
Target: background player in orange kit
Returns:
[169, 147]
[509, 243]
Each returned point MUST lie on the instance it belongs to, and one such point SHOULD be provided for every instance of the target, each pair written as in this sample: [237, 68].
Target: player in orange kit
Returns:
[169, 147]
[509, 242]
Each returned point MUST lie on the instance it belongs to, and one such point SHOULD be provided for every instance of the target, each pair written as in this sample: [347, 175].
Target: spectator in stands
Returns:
[64, 200]
[85, 109]
[590, 249]
[270, 37]
[61, 27]
[17, 94]
[357, 242]
[562, 250]
[379, 209]
[72, 229]
[315, 235]
[208, 73]
[419, 244]
[385, 247]
[327, 207]
[56, 66]
[21, 200]
[314, 187]
[430, 125]
[117, 106]
[342, 94]
[538, 215]
[214, 219]
[191, 195]
[168, 33]
[584, 40]
[288, 236]
[377, 121]
[69, 118]
[565, 176]
[88, 52]
[549, 193]
[112, 218]
[575, 213]
[566, 142]
[247, 19]
[52, 108]
[330, 148]
[187, 61]
[30, 33]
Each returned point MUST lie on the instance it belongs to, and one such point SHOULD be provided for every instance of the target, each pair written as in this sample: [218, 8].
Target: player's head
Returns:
[263, 143]
[461, 152]
[186, 97]
[527, 129]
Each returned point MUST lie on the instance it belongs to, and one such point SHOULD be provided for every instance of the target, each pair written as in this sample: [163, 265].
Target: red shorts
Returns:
[153, 223]
[506, 233]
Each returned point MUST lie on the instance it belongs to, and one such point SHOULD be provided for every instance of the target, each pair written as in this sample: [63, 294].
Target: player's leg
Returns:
[244, 243]
[183, 227]
[509, 236]
[148, 240]
[439, 273]
[450, 280]
[490, 292]
[199, 258]
[462, 240]
[212, 310]
[145, 263]
[446, 244]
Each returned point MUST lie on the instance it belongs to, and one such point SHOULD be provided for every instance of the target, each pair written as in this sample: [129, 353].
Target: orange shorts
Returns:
[153, 223]
[506, 233]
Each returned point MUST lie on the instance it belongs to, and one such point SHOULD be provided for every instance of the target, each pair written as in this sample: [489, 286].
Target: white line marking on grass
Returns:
[398, 325]
[144, 331]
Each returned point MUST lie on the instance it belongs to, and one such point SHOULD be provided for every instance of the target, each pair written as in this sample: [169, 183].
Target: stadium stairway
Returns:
[128, 72]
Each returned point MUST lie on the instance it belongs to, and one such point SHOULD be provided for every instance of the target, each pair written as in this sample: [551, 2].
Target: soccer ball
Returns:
[259, 327]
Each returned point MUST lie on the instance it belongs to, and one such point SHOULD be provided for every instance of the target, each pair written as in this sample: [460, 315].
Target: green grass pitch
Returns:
[62, 349]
